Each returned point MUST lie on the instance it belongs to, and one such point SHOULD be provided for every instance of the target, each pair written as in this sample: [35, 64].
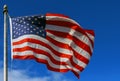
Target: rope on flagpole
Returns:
[5, 11]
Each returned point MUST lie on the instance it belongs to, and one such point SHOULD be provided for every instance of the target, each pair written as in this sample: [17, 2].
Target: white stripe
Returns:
[41, 56]
[80, 51]
[66, 40]
[91, 36]
[58, 18]
[72, 44]
[29, 36]
[49, 61]
[59, 39]
[73, 68]
[36, 46]
[61, 50]
[24, 53]
[78, 62]
[72, 32]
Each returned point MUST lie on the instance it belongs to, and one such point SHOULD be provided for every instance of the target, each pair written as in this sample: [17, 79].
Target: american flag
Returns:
[54, 39]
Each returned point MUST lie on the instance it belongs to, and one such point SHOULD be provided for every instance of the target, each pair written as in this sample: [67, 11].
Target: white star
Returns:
[24, 22]
[14, 32]
[32, 22]
[27, 24]
[31, 27]
[21, 30]
[34, 29]
[28, 29]
[25, 32]
[36, 19]
[25, 27]
[20, 21]
[40, 31]
[29, 18]
[37, 27]
[21, 25]
[16, 28]
[42, 16]
[14, 36]
[19, 34]
[17, 19]
[18, 24]
[13, 22]
[23, 18]
[43, 35]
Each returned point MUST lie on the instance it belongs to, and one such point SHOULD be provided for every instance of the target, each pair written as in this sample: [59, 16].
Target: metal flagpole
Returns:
[5, 44]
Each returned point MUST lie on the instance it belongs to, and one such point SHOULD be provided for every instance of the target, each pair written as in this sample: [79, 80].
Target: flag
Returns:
[54, 39]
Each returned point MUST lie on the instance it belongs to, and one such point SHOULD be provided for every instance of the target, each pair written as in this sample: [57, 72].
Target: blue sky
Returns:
[103, 16]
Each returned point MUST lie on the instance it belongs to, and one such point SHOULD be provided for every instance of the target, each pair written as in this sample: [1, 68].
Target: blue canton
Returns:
[28, 25]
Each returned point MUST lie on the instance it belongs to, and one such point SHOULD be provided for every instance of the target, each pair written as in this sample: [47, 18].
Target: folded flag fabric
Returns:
[54, 39]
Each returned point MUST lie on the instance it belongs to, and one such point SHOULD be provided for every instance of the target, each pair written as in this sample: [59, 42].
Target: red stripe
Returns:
[43, 44]
[46, 54]
[76, 74]
[38, 51]
[59, 15]
[77, 55]
[57, 43]
[90, 32]
[43, 61]
[23, 57]
[66, 24]
[42, 52]
[80, 57]
[76, 65]
[40, 61]
[78, 42]
[69, 25]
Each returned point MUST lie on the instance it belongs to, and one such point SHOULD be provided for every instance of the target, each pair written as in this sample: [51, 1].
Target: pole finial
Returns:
[5, 9]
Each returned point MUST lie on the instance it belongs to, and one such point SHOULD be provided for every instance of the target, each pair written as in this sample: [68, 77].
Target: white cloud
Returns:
[20, 75]
[57, 76]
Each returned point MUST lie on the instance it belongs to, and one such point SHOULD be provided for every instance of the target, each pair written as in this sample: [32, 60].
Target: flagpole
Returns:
[5, 44]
